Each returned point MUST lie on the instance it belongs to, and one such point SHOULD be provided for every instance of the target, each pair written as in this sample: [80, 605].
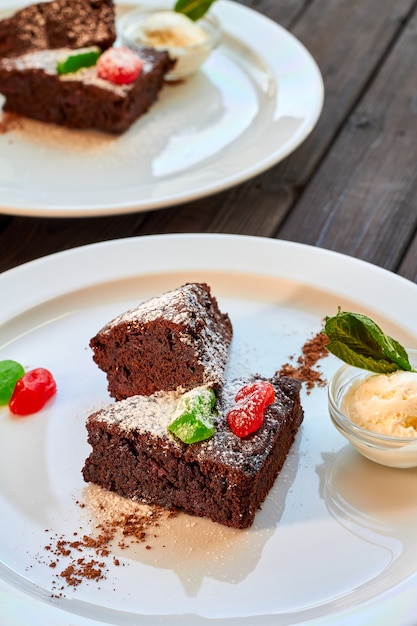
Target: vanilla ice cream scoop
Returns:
[169, 29]
[384, 403]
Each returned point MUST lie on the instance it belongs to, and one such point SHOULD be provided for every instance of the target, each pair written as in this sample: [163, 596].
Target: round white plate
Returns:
[255, 100]
[335, 541]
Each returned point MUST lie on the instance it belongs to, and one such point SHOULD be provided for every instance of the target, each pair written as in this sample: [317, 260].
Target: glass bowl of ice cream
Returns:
[188, 42]
[377, 413]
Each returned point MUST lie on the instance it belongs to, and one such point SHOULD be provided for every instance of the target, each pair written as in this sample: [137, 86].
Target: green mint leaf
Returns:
[346, 354]
[359, 341]
[194, 9]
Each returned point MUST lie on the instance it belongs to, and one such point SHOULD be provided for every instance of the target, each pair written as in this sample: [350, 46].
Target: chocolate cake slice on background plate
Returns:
[58, 24]
[59, 66]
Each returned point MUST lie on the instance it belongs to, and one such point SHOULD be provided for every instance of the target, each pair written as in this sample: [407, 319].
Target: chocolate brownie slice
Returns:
[225, 478]
[177, 340]
[81, 99]
[58, 24]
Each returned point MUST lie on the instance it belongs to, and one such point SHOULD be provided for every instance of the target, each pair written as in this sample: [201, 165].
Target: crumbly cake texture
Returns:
[33, 88]
[225, 478]
[178, 340]
[58, 24]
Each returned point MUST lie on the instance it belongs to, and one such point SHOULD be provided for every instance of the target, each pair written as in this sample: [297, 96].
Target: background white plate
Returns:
[335, 540]
[255, 100]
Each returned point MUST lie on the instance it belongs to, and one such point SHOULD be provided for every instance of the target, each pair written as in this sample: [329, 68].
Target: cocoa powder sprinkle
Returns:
[116, 523]
[306, 367]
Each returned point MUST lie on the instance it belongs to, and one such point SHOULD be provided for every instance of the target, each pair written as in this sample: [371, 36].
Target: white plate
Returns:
[255, 100]
[335, 541]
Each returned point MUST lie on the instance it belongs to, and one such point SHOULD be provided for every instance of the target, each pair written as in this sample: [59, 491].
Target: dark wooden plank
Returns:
[282, 12]
[408, 266]
[247, 209]
[27, 238]
[349, 40]
[363, 201]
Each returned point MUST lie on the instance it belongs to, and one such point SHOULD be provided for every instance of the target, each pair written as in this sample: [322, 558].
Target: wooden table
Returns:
[351, 186]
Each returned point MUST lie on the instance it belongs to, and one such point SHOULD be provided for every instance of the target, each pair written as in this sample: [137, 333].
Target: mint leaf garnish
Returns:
[359, 341]
[194, 9]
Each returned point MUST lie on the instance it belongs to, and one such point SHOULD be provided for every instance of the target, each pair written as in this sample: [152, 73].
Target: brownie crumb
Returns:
[306, 367]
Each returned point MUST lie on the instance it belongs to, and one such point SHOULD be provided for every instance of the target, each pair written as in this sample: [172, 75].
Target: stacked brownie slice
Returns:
[184, 338]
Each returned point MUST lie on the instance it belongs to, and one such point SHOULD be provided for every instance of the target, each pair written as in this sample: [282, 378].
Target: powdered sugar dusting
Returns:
[150, 414]
[176, 306]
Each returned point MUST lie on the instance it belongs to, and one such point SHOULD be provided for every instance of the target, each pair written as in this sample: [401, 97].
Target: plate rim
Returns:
[325, 262]
[92, 209]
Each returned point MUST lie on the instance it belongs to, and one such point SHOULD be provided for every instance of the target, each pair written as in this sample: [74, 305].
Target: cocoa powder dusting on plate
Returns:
[115, 523]
[306, 367]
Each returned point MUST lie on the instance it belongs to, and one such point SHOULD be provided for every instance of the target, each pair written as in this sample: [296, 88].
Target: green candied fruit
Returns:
[10, 372]
[193, 419]
[76, 61]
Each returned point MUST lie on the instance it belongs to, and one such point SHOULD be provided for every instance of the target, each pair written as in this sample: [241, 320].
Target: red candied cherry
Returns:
[119, 65]
[32, 391]
[247, 415]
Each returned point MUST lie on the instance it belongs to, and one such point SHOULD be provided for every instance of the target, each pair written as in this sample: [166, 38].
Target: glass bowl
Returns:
[392, 451]
[188, 58]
